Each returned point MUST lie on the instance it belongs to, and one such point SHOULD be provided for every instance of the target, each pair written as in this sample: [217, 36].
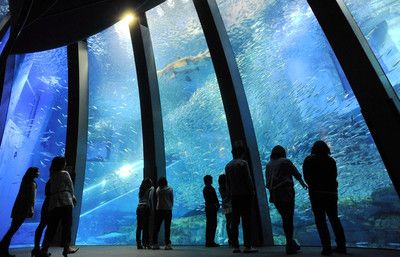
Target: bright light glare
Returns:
[128, 18]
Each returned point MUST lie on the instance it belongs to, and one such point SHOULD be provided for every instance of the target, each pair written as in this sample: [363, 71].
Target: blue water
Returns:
[114, 162]
[35, 130]
[3, 8]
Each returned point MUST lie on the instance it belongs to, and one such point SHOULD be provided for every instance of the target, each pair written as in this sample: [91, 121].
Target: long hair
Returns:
[30, 174]
[320, 148]
[146, 184]
[57, 164]
[278, 152]
[162, 182]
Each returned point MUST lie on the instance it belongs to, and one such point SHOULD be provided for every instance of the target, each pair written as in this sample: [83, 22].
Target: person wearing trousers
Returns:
[62, 201]
[320, 173]
[240, 188]
[226, 206]
[23, 208]
[165, 202]
[211, 208]
[279, 177]
[143, 214]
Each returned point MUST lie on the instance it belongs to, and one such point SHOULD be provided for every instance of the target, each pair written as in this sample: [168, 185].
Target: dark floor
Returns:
[125, 251]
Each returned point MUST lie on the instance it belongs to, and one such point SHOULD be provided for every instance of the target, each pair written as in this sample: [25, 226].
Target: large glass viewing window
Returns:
[297, 93]
[3, 9]
[379, 22]
[35, 130]
[114, 164]
[196, 135]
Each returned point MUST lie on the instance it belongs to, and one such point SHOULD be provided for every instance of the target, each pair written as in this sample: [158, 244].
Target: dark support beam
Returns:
[236, 108]
[77, 124]
[5, 79]
[378, 102]
[150, 106]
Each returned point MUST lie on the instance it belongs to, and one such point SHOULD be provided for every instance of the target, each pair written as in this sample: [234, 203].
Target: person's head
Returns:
[162, 182]
[222, 180]
[208, 180]
[238, 150]
[146, 184]
[278, 152]
[57, 164]
[320, 148]
[30, 174]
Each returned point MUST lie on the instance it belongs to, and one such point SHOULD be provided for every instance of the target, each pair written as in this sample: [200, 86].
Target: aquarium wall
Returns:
[3, 9]
[379, 22]
[196, 134]
[35, 130]
[298, 94]
[114, 162]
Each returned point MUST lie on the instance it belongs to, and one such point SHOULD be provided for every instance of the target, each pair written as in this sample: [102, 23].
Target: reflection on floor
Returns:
[125, 251]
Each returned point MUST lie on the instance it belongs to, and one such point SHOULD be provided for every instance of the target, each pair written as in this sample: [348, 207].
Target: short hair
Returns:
[58, 163]
[162, 182]
[320, 148]
[278, 152]
[208, 179]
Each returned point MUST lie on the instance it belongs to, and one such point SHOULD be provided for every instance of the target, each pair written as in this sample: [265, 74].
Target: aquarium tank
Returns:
[379, 22]
[296, 90]
[3, 9]
[35, 129]
[114, 161]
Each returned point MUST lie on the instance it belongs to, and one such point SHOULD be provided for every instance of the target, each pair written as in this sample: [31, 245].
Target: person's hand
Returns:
[74, 200]
[305, 187]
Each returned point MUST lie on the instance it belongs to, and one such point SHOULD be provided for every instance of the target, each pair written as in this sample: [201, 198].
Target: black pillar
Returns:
[5, 79]
[152, 125]
[378, 102]
[77, 123]
[236, 108]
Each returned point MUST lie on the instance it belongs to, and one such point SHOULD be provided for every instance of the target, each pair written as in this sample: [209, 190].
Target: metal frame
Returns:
[5, 79]
[77, 124]
[378, 102]
[150, 106]
[237, 111]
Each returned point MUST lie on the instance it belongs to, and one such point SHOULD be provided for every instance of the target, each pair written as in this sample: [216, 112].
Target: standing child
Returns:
[212, 206]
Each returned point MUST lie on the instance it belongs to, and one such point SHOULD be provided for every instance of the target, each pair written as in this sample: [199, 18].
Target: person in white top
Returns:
[61, 202]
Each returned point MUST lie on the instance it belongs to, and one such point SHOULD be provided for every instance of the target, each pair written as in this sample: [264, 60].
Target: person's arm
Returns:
[215, 198]
[172, 197]
[228, 182]
[30, 198]
[267, 177]
[249, 180]
[306, 171]
[296, 174]
[70, 187]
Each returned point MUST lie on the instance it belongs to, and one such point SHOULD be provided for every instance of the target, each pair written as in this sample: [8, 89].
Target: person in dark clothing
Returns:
[226, 206]
[279, 176]
[43, 221]
[143, 214]
[239, 186]
[211, 208]
[23, 208]
[165, 203]
[320, 173]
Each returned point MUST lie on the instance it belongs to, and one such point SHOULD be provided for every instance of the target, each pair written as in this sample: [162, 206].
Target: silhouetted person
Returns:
[211, 208]
[279, 177]
[226, 206]
[143, 214]
[165, 202]
[43, 220]
[320, 173]
[23, 208]
[240, 188]
[62, 201]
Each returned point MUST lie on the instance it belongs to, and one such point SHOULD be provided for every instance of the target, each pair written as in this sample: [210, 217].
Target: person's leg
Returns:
[145, 227]
[167, 226]
[245, 210]
[286, 210]
[208, 228]
[6, 241]
[66, 223]
[213, 227]
[332, 212]
[157, 227]
[139, 227]
[235, 222]
[318, 208]
[228, 218]
[39, 232]
[53, 220]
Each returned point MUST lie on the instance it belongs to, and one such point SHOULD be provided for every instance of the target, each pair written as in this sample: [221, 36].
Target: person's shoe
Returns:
[168, 247]
[212, 245]
[155, 247]
[340, 249]
[236, 250]
[35, 252]
[139, 246]
[250, 250]
[296, 245]
[326, 252]
[69, 251]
